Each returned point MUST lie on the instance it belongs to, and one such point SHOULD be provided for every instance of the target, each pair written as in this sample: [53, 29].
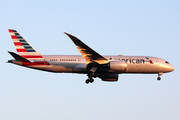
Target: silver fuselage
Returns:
[77, 64]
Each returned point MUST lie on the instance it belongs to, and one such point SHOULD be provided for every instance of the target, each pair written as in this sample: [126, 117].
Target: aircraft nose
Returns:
[171, 68]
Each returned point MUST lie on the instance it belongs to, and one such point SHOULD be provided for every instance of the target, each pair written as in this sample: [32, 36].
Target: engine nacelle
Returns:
[118, 65]
[109, 77]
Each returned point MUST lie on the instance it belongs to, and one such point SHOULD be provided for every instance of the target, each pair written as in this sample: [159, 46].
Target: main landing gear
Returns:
[89, 81]
[90, 78]
[159, 78]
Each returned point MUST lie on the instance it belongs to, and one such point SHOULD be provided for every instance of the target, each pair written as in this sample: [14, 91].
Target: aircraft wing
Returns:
[89, 54]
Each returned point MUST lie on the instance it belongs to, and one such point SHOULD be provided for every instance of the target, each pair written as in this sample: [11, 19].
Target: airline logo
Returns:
[23, 47]
[150, 61]
[20, 42]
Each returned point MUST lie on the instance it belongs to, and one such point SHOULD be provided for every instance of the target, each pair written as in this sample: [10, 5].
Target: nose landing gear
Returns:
[159, 78]
[159, 74]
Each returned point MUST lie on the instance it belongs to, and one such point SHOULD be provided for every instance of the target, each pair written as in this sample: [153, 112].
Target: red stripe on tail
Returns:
[31, 56]
[14, 37]
[17, 44]
[21, 50]
[10, 31]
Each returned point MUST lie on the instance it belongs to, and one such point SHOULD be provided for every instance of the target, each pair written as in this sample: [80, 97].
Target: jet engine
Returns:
[109, 77]
[119, 66]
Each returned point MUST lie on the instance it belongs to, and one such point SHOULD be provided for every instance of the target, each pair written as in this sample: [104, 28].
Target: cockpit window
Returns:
[167, 62]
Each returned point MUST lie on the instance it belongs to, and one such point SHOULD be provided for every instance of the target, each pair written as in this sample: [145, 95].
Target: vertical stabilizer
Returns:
[23, 48]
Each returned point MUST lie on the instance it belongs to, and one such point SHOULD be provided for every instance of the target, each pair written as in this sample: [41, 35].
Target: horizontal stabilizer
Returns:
[18, 57]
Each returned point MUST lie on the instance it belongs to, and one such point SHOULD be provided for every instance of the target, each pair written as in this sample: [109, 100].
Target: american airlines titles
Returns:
[133, 61]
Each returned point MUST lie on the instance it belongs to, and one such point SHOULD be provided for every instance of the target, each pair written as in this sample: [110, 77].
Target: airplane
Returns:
[107, 68]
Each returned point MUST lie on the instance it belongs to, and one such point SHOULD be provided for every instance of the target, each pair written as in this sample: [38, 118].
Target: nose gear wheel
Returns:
[159, 78]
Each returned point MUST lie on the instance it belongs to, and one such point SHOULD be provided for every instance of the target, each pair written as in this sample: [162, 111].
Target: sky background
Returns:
[114, 27]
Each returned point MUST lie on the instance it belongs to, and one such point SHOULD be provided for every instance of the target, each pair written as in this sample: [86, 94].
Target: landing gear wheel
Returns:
[87, 81]
[159, 78]
[91, 80]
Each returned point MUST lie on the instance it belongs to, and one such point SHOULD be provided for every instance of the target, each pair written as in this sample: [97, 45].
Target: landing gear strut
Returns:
[159, 78]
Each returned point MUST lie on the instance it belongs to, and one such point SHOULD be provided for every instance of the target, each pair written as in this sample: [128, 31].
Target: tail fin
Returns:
[23, 48]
